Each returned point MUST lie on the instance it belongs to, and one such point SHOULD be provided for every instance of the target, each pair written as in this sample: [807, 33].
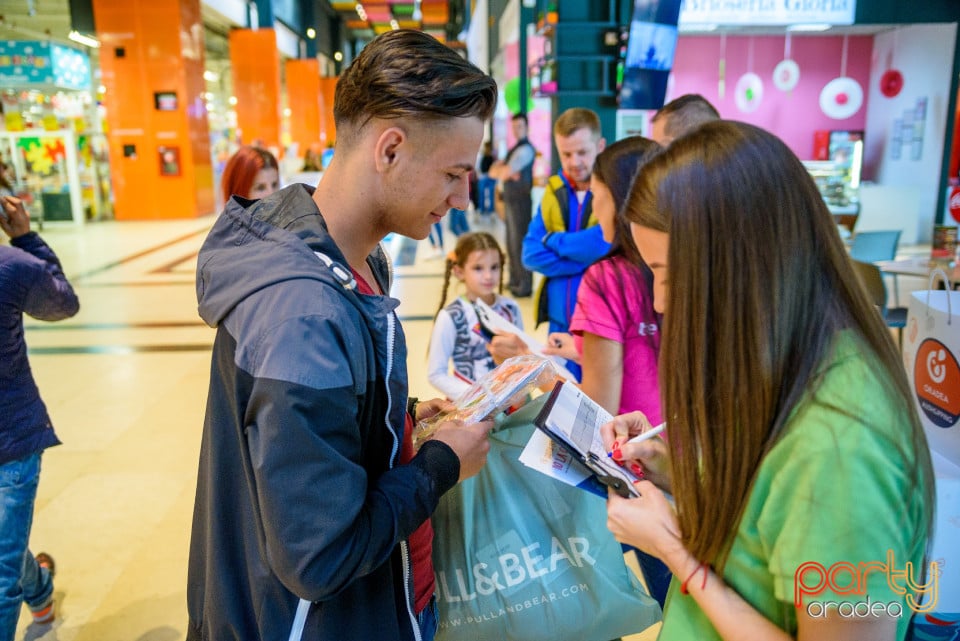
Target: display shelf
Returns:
[47, 173]
[835, 185]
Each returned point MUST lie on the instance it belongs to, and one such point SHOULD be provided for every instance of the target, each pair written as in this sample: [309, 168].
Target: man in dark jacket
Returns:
[312, 510]
[516, 176]
[31, 282]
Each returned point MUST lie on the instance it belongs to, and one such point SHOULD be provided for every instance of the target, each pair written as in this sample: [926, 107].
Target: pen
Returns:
[648, 434]
[639, 438]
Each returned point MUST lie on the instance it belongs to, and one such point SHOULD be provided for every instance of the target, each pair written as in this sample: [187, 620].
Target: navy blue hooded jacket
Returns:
[31, 282]
[302, 511]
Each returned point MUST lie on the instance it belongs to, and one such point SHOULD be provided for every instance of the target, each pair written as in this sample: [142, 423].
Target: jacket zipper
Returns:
[404, 547]
[303, 607]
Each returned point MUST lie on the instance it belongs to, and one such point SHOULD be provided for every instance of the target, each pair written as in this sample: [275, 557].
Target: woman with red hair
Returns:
[251, 173]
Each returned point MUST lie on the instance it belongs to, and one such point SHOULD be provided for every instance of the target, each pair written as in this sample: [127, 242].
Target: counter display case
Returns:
[839, 191]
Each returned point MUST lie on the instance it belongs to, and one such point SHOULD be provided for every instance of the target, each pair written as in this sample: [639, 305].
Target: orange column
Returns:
[152, 60]
[303, 98]
[328, 131]
[256, 84]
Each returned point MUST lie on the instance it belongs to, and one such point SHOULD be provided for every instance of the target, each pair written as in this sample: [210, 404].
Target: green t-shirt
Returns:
[835, 488]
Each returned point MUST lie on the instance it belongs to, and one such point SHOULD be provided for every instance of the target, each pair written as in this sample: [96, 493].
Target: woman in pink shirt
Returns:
[616, 331]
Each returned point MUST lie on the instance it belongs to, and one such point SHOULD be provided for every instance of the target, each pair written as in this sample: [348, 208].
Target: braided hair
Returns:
[466, 245]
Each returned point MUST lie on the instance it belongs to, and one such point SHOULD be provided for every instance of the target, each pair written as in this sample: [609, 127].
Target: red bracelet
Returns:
[703, 584]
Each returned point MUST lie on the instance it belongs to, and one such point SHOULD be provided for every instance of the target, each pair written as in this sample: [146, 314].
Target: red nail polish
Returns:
[616, 446]
[617, 455]
[636, 469]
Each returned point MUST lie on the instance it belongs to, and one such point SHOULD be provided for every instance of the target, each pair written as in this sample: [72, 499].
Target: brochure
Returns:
[572, 422]
[507, 385]
[492, 323]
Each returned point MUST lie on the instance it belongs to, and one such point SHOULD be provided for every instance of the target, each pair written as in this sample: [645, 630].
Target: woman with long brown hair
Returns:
[800, 471]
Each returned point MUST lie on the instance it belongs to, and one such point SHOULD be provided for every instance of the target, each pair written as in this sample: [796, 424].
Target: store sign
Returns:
[26, 64]
[772, 12]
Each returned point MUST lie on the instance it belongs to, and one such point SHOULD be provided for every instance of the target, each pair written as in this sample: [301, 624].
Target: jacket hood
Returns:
[257, 243]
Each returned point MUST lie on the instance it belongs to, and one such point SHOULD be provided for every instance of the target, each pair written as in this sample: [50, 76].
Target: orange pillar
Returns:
[152, 60]
[328, 131]
[256, 84]
[303, 98]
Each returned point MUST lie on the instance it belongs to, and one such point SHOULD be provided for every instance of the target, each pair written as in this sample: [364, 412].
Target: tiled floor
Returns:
[125, 382]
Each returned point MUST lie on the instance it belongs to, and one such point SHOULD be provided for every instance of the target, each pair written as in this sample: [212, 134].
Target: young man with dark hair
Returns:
[679, 116]
[312, 511]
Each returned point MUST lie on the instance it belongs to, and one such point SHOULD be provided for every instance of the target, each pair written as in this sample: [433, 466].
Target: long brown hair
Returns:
[759, 287]
[616, 167]
[466, 245]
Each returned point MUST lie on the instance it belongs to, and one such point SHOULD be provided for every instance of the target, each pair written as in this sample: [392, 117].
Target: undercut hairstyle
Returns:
[577, 118]
[760, 285]
[409, 74]
[684, 114]
[241, 170]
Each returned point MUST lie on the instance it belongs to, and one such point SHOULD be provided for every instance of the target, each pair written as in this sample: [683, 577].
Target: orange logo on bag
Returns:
[936, 376]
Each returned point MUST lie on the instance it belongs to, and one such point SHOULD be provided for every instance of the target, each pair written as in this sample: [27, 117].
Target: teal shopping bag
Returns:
[520, 556]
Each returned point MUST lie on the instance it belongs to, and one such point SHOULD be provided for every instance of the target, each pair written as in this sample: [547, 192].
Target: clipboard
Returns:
[572, 420]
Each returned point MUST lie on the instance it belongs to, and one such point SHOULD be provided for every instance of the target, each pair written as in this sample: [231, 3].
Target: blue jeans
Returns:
[458, 222]
[436, 235]
[428, 620]
[21, 579]
[487, 187]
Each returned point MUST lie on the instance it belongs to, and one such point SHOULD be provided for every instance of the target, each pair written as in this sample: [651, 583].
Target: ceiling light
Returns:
[76, 36]
[338, 56]
[211, 76]
[809, 26]
[311, 33]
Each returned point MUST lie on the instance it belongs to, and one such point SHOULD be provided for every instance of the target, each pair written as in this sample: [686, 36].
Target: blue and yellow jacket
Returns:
[562, 241]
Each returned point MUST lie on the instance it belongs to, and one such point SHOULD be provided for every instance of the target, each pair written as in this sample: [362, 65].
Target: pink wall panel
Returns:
[793, 116]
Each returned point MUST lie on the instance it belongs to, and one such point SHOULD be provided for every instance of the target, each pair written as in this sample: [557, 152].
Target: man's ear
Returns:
[392, 142]
[601, 145]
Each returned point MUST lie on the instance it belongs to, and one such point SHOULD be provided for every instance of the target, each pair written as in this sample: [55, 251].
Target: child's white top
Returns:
[453, 339]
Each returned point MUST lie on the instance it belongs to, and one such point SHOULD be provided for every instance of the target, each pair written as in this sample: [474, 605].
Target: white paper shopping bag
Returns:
[931, 350]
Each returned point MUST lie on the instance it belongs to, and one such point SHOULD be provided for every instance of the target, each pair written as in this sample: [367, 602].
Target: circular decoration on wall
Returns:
[954, 203]
[749, 92]
[891, 83]
[841, 98]
[786, 75]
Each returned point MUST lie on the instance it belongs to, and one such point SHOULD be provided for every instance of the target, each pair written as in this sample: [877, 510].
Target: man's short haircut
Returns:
[684, 114]
[520, 116]
[409, 74]
[577, 118]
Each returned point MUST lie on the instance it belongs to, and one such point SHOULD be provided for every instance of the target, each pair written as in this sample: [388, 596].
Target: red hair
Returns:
[242, 168]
